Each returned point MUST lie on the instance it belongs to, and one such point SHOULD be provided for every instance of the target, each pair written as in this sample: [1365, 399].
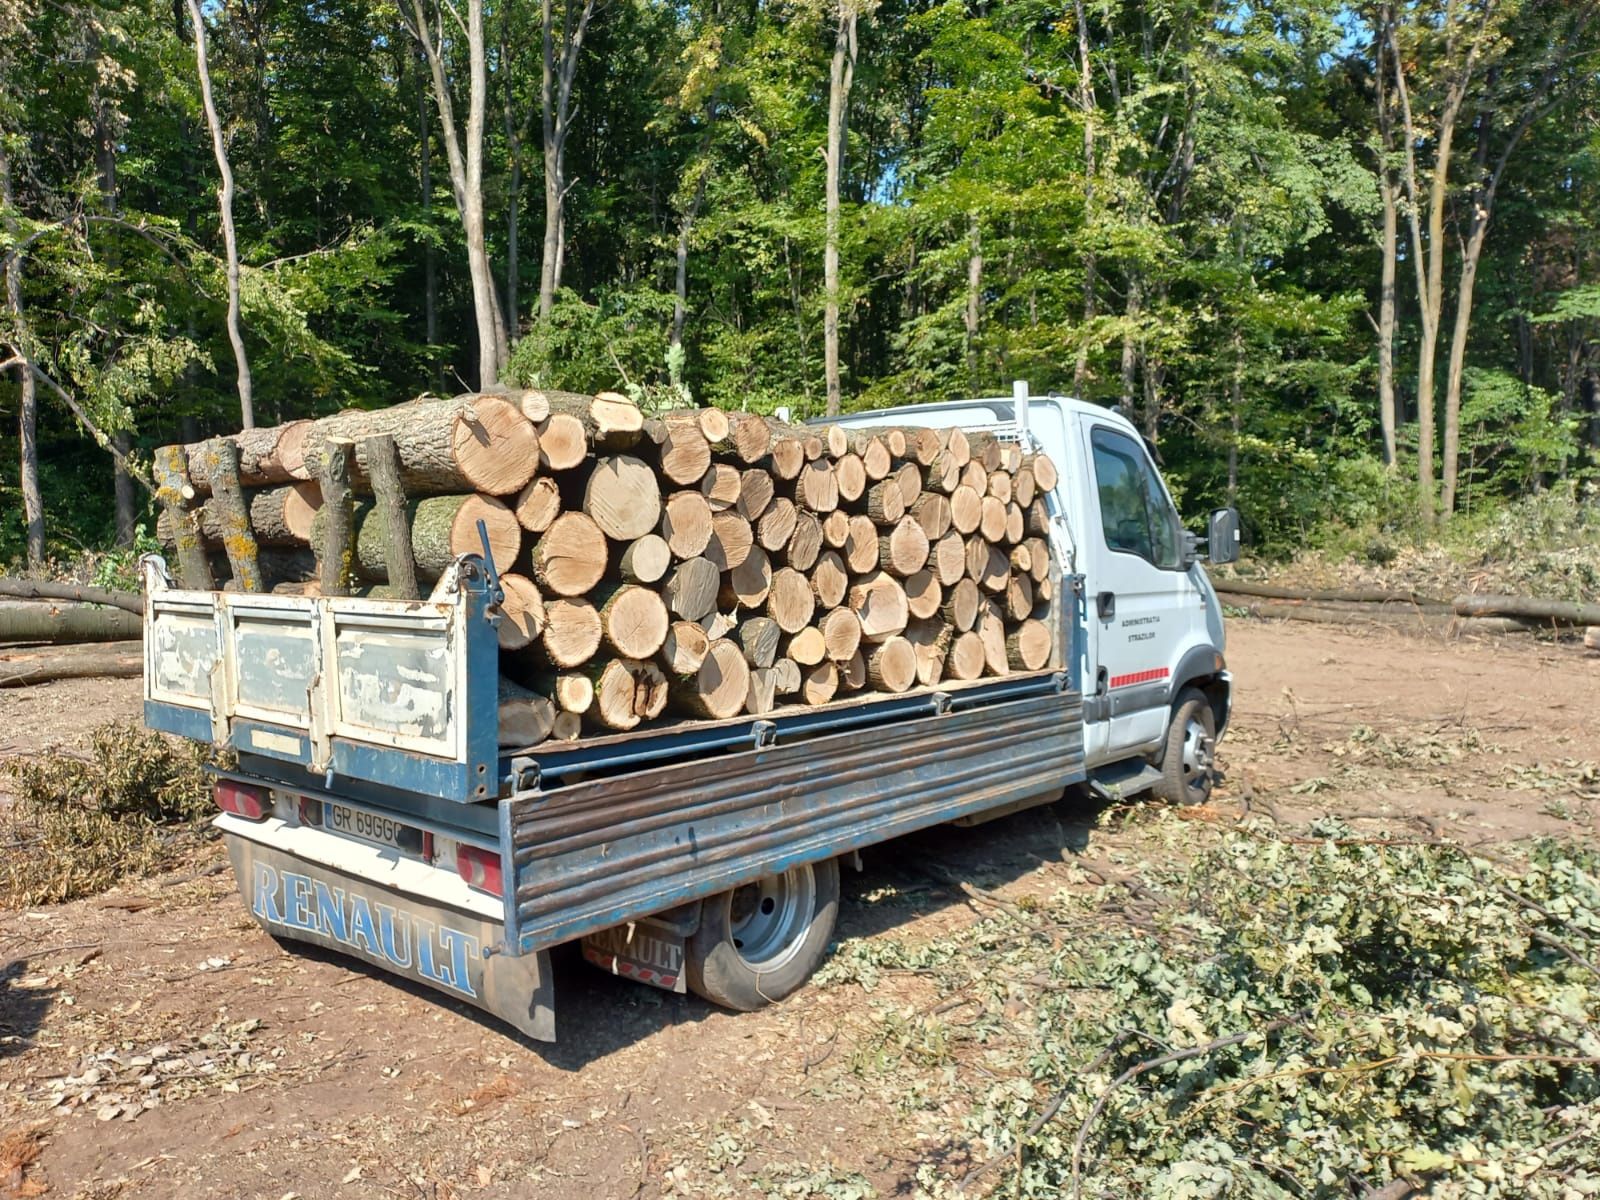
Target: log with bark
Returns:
[111, 660]
[44, 589]
[59, 622]
[1528, 608]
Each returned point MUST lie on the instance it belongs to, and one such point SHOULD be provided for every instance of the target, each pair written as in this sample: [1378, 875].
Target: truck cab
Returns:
[1157, 692]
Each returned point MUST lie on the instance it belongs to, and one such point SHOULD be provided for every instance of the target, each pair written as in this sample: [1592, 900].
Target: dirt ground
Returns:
[279, 1074]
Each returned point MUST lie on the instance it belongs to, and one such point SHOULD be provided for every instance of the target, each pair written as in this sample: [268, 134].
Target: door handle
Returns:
[1105, 605]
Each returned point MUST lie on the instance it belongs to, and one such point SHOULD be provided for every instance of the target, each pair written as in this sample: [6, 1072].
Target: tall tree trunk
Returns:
[466, 175]
[513, 186]
[1088, 109]
[974, 299]
[556, 79]
[840, 76]
[1387, 417]
[27, 386]
[230, 242]
[105, 155]
[430, 261]
[1130, 347]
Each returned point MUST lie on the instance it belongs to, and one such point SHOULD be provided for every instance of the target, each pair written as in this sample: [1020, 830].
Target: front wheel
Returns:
[1188, 765]
[758, 943]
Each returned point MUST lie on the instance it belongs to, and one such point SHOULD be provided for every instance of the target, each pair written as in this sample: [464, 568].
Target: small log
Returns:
[644, 560]
[987, 565]
[747, 585]
[948, 559]
[850, 477]
[1038, 559]
[1591, 638]
[336, 551]
[836, 529]
[820, 684]
[749, 439]
[623, 497]
[755, 493]
[626, 692]
[572, 691]
[807, 647]
[685, 455]
[924, 595]
[1028, 646]
[961, 603]
[684, 649]
[788, 455]
[892, 665]
[563, 444]
[1023, 487]
[805, 543]
[109, 660]
[41, 589]
[941, 476]
[861, 544]
[853, 673]
[633, 619]
[880, 603]
[777, 524]
[732, 539]
[610, 420]
[571, 556]
[790, 602]
[521, 611]
[932, 512]
[1044, 472]
[762, 697]
[966, 658]
[1016, 524]
[718, 689]
[876, 460]
[975, 477]
[170, 469]
[829, 579]
[1018, 596]
[836, 441]
[532, 402]
[966, 511]
[525, 718]
[568, 727]
[389, 497]
[884, 504]
[720, 486]
[36, 621]
[572, 632]
[992, 521]
[910, 480]
[931, 640]
[816, 490]
[903, 551]
[1036, 520]
[992, 634]
[758, 637]
[711, 423]
[686, 524]
[786, 676]
[538, 504]
[841, 634]
[691, 589]
[1000, 486]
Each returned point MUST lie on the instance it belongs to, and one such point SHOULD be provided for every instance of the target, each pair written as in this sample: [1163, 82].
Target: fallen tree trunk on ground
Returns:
[42, 621]
[1560, 612]
[1274, 591]
[20, 668]
[42, 589]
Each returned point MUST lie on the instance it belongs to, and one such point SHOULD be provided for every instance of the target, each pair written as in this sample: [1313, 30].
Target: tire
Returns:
[758, 943]
[1187, 764]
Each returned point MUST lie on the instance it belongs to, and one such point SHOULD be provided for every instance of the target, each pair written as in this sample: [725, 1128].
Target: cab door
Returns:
[1138, 592]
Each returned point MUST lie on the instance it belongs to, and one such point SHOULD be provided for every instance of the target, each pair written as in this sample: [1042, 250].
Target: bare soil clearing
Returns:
[282, 1073]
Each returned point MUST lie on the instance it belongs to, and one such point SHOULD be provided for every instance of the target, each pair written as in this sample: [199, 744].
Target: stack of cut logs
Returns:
[702, 562]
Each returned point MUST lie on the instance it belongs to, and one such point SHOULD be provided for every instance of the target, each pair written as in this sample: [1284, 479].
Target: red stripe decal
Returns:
[1149, 676]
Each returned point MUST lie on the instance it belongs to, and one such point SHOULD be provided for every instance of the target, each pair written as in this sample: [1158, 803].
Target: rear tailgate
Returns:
[383, 691]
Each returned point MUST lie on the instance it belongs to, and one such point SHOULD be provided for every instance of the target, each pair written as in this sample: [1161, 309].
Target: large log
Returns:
[633, 620]
[43, 589]
[522, 615]
[572, 632]
[931, 640]
[903, 551]
[720, 486]
[465, 444]
[748, 439]
[279, 516]
[685, 648]
[829, 579]
[816, 490]
[265, 456]
[841, 634]
[732, 539]
[686, 524]
[1028, 646]
[879, 602]
[861, 545]
[1273, 591]
[526, 718]
[924, 595]
[571, 556]
[119, 660]
[626, 692]
[623, 497]
[755, 493]
[49, 621]
[966, 658]
[691, 589]
[719, 688]
[610, 421]
[684, 455]
[892, 665]
[790, 602]
[948, 559]
[442, 529]
[748, 585]
[850, 477]
[777, 524]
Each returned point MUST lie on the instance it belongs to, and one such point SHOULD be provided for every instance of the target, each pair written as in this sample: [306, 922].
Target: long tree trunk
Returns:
[1087, 108]
[430, 261]
[840, 76]
[466, 176]
[1130, 348]
[105, 154]
[27, 387]
[230, 241]
[1387, 417]
[513, 187]
[556, 79]
[974, 299]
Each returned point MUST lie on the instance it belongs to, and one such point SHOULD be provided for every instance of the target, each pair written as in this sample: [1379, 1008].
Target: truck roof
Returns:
[977, 412]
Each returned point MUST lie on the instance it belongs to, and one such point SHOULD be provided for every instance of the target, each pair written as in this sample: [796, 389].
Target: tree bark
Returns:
[1087, 109]
[840, 77]
[19, 668]
[27, 388]
[974, 300]
[1387, 420]
[230, 242]
[556, 104]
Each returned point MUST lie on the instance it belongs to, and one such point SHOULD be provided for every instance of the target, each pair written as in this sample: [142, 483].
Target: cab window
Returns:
[1134, 512]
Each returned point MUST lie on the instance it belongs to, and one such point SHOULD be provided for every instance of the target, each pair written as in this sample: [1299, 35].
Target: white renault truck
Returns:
[370, 807]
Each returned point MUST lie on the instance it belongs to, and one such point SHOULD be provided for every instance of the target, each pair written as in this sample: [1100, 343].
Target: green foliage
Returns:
[1304, 1017]
[79, 825]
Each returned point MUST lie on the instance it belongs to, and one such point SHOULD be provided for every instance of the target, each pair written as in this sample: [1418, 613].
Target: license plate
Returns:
[370, 827]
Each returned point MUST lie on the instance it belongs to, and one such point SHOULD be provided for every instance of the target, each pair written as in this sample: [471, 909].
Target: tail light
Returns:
[241, 800]
[481, 869]
[310, 811]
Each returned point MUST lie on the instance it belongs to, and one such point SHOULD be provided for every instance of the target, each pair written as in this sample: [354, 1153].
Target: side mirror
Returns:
[1222, 538]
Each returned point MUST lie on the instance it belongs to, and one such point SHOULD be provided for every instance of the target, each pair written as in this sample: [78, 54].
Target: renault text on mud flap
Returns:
[293, 901]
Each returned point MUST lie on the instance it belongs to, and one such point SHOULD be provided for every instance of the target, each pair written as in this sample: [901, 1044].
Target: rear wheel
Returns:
[1188, 765]
[758, 943]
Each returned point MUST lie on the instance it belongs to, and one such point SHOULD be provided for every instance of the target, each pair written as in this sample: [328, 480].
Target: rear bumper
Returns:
[449, 949]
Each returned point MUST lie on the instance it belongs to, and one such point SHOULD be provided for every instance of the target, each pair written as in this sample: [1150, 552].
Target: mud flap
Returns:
[455, 952]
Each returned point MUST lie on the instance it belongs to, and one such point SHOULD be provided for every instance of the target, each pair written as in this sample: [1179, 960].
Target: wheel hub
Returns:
[1199, 751]
[770, 917]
